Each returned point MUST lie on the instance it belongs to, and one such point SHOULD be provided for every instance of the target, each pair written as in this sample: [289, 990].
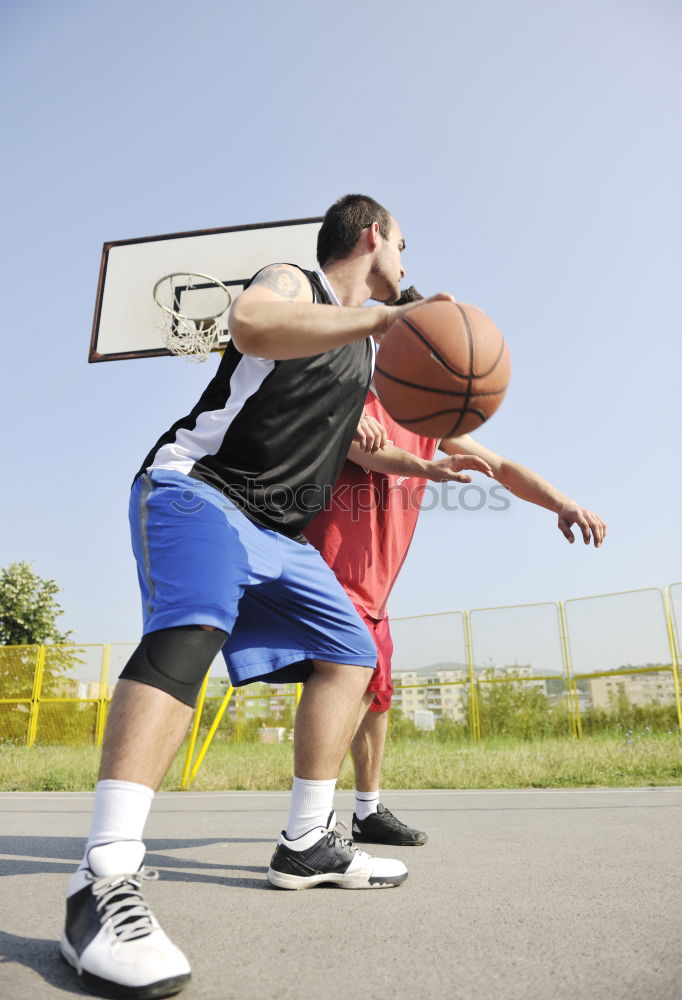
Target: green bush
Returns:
[625, 717]
[517, 709]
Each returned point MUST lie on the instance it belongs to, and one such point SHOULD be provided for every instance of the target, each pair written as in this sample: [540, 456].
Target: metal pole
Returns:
[34, 710]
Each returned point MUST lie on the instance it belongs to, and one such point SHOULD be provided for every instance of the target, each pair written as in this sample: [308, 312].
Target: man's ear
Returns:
[373, 235]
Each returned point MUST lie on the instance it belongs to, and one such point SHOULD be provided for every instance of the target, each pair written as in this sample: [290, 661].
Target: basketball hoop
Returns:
[191, 337]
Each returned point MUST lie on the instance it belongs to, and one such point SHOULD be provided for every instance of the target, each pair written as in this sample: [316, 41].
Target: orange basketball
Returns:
[442, 369]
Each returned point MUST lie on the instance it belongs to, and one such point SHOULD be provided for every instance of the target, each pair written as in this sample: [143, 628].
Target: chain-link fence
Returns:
[580, 666]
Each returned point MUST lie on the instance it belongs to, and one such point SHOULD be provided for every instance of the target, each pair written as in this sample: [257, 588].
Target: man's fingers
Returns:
[598, 530]
[482, 466]
[565, 527]
[380, 437]
[591, 527]
[450, 476]
[438, 297]
[471, 462]
[370, 434]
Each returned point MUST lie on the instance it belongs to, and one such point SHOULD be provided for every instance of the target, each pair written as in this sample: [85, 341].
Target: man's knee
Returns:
[175, 660]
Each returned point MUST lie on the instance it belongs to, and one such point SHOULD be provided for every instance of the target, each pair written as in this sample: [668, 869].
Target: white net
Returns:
[192, 307]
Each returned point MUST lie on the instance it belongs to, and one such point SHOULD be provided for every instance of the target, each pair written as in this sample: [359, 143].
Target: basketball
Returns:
[442, 369]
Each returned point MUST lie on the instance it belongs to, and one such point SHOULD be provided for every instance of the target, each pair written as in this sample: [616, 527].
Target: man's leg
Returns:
[326, 718]
[144, 730]
[310, 852]
[111, 936]
[367, 750]
[372, 822]
[148, 718]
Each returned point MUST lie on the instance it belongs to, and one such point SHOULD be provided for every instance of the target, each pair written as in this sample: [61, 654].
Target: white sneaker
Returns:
[111, 937]
[324, 855]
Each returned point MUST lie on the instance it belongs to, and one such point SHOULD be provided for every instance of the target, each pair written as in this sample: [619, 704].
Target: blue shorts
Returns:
[200, 561]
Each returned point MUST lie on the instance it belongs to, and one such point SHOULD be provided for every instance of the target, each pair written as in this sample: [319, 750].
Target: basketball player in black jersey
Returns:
[217, 512]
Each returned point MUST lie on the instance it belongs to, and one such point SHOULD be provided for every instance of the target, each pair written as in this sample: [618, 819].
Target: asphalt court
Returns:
[519, 895]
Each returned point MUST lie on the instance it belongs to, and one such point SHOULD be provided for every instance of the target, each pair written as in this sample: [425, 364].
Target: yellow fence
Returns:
[59, 694]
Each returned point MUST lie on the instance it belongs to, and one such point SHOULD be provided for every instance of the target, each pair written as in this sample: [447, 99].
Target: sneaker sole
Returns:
[117, 991]
[358, 838]
[283, 881]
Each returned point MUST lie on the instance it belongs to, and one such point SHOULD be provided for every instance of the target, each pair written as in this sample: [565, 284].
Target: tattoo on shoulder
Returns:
[280, 280]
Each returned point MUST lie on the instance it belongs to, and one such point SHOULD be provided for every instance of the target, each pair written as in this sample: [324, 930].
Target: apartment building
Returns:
[639, 689]
[443, 691]
[255, 701]
[444, 695]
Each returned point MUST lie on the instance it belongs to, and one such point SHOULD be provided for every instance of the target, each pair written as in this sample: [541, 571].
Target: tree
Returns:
[510, 707]
[28, 619]
[28, 610]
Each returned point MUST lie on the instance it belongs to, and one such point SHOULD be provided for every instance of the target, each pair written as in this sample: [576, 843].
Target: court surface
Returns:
[535, 895]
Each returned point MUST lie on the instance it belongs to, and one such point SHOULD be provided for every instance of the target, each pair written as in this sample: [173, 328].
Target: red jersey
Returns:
[365, 530]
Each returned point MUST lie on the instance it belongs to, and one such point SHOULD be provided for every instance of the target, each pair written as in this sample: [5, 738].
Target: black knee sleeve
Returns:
[175, 660]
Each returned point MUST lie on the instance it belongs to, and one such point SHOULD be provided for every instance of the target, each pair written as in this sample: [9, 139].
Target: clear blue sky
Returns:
[531, 152]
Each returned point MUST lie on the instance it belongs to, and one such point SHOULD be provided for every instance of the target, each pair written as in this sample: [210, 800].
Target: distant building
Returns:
[217, 686]
[639, 689]
[443, 690]
[255, 701]
[525, 673]
[93, 689]
[440, 692]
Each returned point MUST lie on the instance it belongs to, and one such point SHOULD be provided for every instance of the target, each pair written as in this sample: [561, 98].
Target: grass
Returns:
[643, 759]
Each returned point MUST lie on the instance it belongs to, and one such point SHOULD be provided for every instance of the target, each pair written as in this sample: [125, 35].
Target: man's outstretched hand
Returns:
[590, 525]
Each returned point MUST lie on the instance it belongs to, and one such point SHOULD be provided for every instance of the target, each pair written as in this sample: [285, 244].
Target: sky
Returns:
[532, 154]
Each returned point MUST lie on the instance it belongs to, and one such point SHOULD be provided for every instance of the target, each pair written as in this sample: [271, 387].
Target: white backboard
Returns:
[127, 320]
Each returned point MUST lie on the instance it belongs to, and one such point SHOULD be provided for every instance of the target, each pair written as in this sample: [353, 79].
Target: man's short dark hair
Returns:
[345, 221]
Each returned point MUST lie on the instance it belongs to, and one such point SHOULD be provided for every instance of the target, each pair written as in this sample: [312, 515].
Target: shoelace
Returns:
[122, 905]
[393, 820]
[335, 836]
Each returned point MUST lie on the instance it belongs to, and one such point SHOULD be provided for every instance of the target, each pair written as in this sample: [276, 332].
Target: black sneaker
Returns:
[382, 827]
[324, 855]
[111, 937]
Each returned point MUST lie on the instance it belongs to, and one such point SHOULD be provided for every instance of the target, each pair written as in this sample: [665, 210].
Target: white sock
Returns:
[311, 803]
[366, 803]
[120, 813]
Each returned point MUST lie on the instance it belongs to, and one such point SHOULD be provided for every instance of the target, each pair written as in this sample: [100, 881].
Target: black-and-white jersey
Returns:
[273, 435]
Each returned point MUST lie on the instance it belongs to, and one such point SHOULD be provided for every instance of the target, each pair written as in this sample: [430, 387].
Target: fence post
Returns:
[239, 718]
[474, 715]
[195, 732]
[32, 730]
[674, 657]
[570, 686]
[186, 781]
[102, 700]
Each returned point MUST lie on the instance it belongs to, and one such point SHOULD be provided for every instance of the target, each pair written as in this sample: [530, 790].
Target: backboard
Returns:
[127, 322]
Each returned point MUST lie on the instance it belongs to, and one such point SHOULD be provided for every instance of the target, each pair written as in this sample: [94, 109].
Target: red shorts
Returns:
[380, 683]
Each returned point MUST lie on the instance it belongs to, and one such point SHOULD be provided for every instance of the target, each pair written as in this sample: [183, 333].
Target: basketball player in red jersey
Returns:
[364, 535]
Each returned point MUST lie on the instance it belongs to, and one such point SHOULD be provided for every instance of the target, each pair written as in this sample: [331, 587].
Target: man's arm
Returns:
[276, 318]
[528, 485]
[394, 461]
